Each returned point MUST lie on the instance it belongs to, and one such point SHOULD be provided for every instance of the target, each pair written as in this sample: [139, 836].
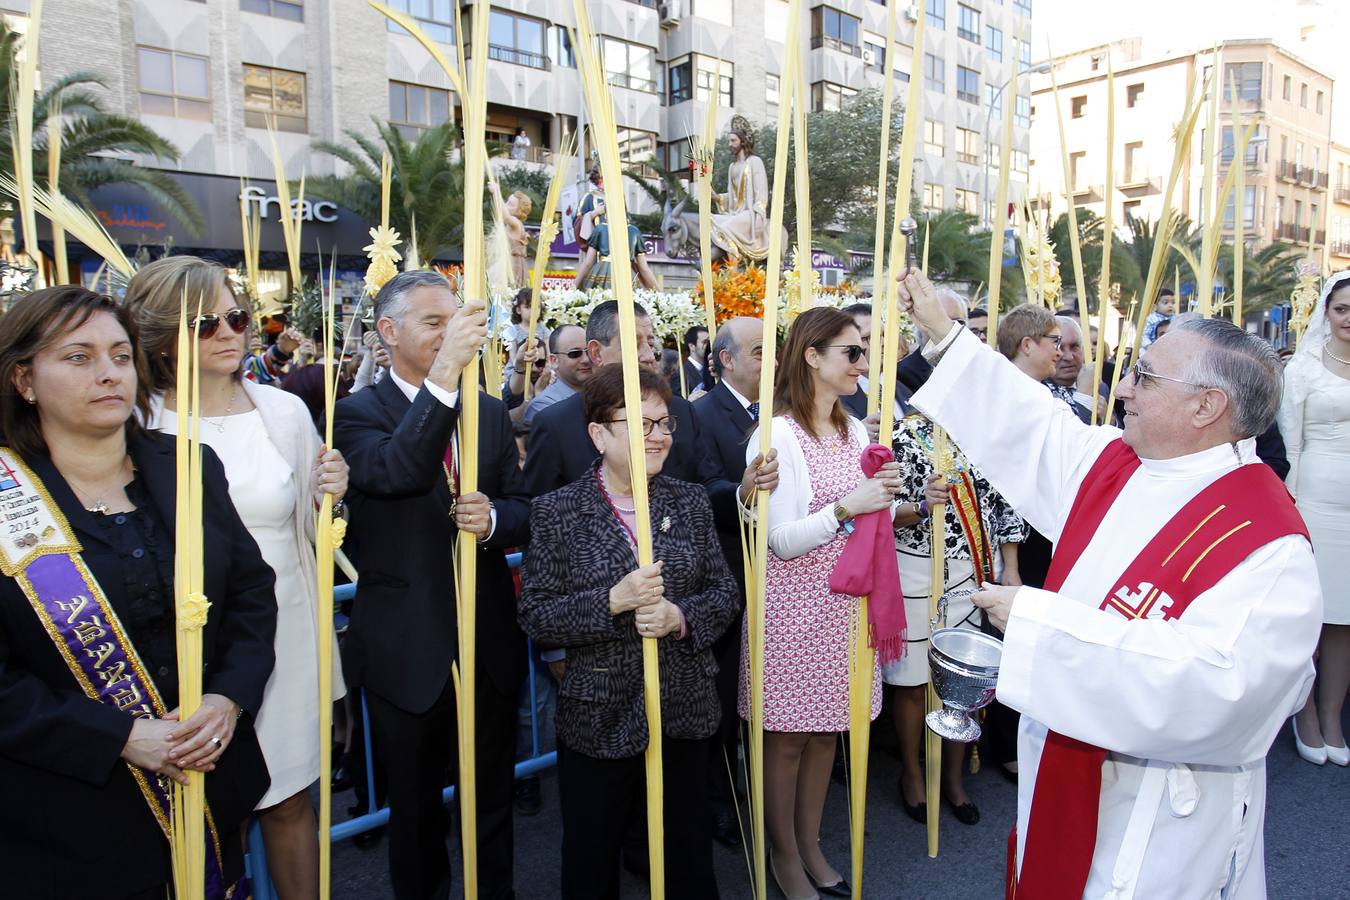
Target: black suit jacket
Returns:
[577, 553]
[403, 633]
[913, 371]
[725, 427]
[73, 822]
[561, 451]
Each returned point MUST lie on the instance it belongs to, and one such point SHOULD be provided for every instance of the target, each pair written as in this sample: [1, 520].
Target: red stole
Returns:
[1209, 537]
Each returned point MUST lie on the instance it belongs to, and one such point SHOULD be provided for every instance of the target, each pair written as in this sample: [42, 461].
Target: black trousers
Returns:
[722, 764]
[598, 797]
[417, 754]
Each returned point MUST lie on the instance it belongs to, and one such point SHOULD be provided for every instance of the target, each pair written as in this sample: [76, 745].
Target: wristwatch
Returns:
[922, 508]
[841, 513]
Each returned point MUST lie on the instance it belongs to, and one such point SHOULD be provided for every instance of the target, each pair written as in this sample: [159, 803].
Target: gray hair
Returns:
[1242, 365]
[946, 293]
[603, 323]
[725, 340]
[392, 300]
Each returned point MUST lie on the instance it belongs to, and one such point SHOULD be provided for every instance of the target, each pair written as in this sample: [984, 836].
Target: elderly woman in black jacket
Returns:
[90, 735]
[583, 590]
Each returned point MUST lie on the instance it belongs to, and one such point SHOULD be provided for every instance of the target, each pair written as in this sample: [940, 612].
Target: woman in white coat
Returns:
[276, 469]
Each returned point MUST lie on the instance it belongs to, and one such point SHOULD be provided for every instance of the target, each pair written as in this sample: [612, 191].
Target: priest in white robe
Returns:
[1179, 696]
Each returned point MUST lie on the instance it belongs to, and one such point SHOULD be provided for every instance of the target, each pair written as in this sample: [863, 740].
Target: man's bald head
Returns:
[737, 352]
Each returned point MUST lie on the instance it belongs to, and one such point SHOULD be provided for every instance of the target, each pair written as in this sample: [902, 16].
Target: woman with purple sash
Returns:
[90, 740]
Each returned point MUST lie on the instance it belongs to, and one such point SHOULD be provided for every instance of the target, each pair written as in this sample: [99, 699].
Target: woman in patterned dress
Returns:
[808, 629]
[997, 532]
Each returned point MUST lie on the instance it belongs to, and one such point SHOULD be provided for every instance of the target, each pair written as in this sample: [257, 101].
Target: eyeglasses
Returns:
[1058, 339]
[206, 326]
[1138, 371]
[853, 351]
[575, 353]
[665, 423]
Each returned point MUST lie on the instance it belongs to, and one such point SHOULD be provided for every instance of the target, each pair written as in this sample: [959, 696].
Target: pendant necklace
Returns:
[99, 505]
[220, 426]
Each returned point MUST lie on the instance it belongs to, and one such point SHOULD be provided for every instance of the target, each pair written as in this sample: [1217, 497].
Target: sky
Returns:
[1187, 25]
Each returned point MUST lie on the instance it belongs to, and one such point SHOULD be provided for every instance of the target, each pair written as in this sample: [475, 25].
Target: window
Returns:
[993, 101]
[1022, 111]
[1132, 94]
[874, 52]
[710, 81]
[516, 39]
[174, 84]
[675, 156]
[636, 148]
[414, 108]
[1279, 210]
[1096, 63]
[1018, 161]
[630, 65]
[932, 139]
[1023, 7]
[968, 201]
[1298, 154]
[1288, 91]
[829, 97]
[1023, 56]
[274, 93]
[436, 18]
[993, 42]
[771, 90]
[967, 23]
[932, 198]
[1303, 96]
[566, 57]
[967, 146]
[1229, 148]
[680, 81]
[835, 30]
[281, 9]
[1319, 102]
[1134, 158]
[1248, 208]
[1130, 208]
[1298, 214]
[1248, 78]
[934, 73]
[993, 156]
[1077, 106]
[937, 15]
[1077, 170]
[967, 85]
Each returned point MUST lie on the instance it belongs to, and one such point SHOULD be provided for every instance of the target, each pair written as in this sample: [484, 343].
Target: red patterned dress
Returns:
[808, 629]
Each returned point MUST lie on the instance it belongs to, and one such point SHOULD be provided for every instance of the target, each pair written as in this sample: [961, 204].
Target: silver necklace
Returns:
[100, 505]
[220, 426]
[1327, 347]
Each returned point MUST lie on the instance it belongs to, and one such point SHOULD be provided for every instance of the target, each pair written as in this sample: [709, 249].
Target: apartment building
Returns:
[1286, 194]
[1338, 223]
[208, 74]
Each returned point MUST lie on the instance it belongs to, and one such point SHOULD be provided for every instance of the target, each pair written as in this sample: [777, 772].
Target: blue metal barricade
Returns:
[374, 817]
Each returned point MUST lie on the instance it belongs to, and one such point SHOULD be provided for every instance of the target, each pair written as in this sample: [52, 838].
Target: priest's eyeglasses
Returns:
[206, 326]
[665, 423]
[853, 351]
[1138, 371]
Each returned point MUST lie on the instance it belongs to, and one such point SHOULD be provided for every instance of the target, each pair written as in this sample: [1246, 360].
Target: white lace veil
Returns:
[1316, 335]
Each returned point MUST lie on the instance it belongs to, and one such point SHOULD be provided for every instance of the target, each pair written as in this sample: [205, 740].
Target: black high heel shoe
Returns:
[916, 811]
[839, 889]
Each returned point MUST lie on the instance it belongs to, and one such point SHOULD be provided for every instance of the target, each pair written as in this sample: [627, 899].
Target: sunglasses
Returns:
[665, 423]
[206, 326]
[854, 352]
[575, 353]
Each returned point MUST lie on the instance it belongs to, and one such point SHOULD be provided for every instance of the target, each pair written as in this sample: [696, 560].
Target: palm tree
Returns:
[956, 251]
[426, 190]
[1269, 274]
[1124, 265]
[94, 142]
[1143, 235]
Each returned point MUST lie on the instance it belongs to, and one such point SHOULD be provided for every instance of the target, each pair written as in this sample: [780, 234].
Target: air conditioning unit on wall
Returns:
[670, 12]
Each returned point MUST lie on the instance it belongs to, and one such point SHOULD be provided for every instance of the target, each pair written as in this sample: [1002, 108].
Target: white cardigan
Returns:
[793, 528]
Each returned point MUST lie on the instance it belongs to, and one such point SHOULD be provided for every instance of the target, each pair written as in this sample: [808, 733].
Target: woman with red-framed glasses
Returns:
[276, 470]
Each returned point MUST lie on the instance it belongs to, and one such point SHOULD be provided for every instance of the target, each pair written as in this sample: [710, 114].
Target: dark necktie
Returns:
[753, 410]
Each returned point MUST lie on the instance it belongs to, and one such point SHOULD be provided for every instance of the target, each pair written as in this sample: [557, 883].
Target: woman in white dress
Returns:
[742, 228]
[1315, 422]
[276, 469]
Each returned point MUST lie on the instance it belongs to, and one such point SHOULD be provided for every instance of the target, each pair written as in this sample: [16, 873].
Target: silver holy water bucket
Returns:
[964, 668]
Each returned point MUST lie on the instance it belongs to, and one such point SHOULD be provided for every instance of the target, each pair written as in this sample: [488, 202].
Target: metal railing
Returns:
[834, 43]
[1340, 248]
[632, 82]
[1342, 194]
[498, 53]
[375, 817]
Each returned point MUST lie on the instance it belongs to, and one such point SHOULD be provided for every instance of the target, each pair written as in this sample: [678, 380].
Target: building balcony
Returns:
[819, 41]
[1088, 193]
[1140, 185]
[970, 159]
[1288, 231]
[1339, 248]
[1286, 171]
[632, 82]
[1342, 194]
[499, 53]
[972, 36]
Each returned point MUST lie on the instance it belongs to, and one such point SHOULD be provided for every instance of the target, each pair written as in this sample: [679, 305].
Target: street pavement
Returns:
[1307, 840]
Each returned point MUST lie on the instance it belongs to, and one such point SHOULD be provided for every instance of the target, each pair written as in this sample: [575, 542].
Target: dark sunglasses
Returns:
[206, 326]
[666, 423]
[853, 351]
[575, 353]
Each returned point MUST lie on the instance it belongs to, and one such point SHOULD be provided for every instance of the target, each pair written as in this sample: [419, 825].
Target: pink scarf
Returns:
[868, 567]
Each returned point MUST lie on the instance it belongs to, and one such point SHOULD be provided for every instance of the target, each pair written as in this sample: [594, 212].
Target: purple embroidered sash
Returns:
[40, 552]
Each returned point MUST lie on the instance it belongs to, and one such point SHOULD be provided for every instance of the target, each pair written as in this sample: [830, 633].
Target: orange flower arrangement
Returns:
[737, 292]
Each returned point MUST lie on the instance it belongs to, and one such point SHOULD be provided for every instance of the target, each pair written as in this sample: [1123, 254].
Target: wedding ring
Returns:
[216, 741]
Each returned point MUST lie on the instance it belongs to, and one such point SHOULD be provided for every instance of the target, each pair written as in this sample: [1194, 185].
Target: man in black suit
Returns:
[695, 352]
[727, 415]
[400, 439]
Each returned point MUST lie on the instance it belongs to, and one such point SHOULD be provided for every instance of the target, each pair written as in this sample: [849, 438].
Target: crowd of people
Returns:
[1039, 506]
